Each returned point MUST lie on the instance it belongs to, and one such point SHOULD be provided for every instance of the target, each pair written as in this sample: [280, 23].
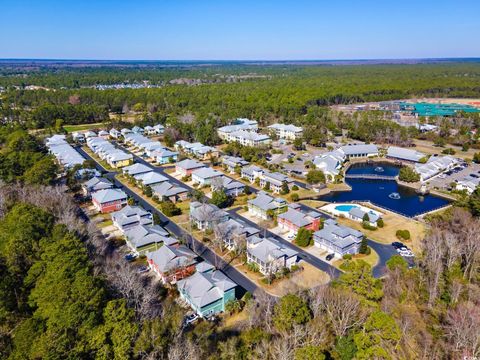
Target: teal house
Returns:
[207, 291]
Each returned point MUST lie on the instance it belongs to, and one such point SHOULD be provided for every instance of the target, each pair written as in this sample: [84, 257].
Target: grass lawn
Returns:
[427, 147]
[393, 222]
[82, 127]
[372, 259]
[313, 203]
[105, 223]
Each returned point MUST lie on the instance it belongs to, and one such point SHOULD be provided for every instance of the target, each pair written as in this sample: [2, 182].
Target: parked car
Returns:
[143, 269]
[474, 176]
[397, 244]
[189, 319]
[290, 237]
[130, 257]
[329, 257]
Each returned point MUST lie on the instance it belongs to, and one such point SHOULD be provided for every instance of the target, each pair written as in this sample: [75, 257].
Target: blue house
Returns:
[165, 156]
[207, 291]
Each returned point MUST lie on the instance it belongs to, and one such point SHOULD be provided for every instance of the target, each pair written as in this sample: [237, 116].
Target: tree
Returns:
[474, 202]
[304, 237]
[378, 338]
[309, 352]
[289, 311]
[170, 209]
[294, 197]
[221, 199]
[43, 172]
[284, 190]
[358, 278]
[476, 157]
[396, 261]
[147, 190]
[380, 223]
[407, 174]
[364, 246]
[315, 177]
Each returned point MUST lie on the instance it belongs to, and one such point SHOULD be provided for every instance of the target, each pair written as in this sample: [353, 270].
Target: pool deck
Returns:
[332, 208]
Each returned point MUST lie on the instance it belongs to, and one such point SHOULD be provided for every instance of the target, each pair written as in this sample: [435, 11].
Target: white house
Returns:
[289, 132]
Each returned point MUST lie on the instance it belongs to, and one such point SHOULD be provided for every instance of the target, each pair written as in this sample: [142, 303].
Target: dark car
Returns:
[329, 257]
[474, 176]
[130, 257]
[397, 244]
[143, 269]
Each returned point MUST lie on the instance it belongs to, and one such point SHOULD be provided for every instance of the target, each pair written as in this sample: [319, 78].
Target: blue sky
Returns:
[239, 30]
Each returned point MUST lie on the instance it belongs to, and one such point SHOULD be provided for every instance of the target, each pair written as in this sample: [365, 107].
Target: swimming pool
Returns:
[345, 208]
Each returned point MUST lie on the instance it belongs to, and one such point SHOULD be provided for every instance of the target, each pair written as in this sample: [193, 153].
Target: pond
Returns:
[385, 193]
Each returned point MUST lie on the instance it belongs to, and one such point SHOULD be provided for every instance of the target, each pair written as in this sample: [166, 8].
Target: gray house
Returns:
[131, 216]
[270, 255]
[96, 184]
[141, 238]
[338, 239]
[206, 216]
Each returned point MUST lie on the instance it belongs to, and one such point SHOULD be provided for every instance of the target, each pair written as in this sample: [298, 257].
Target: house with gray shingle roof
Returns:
[169, 191]
[359, 150]
[358, 214]
[232, 162]
[172, 263]
[287, 131]
[150, 178]
[294, 219]
[228, 185]
[187, 166]
[207, 291]
[270, 255]
[251, 173]
[141, 239]
[136, 169]
[206, 216]
[205, 176]
[96, 184]
[235, 233]
[131, 216]
[264, 204]
[109, 200]
[338, 239]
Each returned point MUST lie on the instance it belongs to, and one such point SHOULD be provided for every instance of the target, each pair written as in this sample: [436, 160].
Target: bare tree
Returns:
[463, 329]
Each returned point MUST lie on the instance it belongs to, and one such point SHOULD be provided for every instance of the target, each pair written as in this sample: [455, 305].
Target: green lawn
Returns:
[82, 127]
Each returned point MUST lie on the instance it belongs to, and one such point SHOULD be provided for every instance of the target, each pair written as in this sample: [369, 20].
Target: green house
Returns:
[207, 291]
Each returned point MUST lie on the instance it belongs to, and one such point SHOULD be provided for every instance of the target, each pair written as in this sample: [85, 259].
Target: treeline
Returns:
[288, 95]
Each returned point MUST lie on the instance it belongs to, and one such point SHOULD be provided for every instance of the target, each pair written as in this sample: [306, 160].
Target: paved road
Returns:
[180, 233]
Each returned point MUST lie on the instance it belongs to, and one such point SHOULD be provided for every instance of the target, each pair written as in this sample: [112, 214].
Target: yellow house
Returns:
[119, 159]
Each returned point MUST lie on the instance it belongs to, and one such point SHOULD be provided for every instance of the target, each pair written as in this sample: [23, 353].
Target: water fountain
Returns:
[379, 169]
[394, 195]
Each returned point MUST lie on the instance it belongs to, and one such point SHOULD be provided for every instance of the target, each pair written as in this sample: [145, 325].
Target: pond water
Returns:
[385, 193]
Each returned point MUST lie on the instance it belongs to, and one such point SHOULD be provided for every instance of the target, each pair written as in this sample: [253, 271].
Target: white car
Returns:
[290, 237]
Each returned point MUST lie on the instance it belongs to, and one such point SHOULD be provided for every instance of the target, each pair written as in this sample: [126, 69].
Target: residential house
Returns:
[407, 155]
[78, 137]
[187, 167]
[270, 255]
[288, 132]
[165, 156]
[137, 130]
[265, 205]
[109, 200]
[65, 154]
[95, 184]
[197, 149]
[150, 178]
[205, 176]
[229, 186]
[90, 134]
[206, 216]
[235, 232]
[251, 173]
[231, 163]
[295, 218]
[172, 263]
[125, 131]
[169, 191]
[149, 130]
[114, 133]
[136, 169]
[131, 216]
[159, 129]
[119, 159]
[104, 134]
[142, 239]
[208, 291]
[338, 239]
[275, 181]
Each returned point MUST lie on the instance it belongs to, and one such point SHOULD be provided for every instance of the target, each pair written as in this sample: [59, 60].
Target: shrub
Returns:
[294, 268]
[294, 197]
[367, 226]
[347, 257]
[380, 223]
[304, 237]
[403, 234]
[294, 187]
[408, 174]
[449, 151]
[253, 267]
[364, 249]
[169, 208]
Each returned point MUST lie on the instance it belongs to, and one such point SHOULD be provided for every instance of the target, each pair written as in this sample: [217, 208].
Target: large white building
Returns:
[289, 132]
[435, 166]
[240, 124]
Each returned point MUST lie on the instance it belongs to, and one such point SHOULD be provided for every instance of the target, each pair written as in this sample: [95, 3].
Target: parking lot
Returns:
[443, 181]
